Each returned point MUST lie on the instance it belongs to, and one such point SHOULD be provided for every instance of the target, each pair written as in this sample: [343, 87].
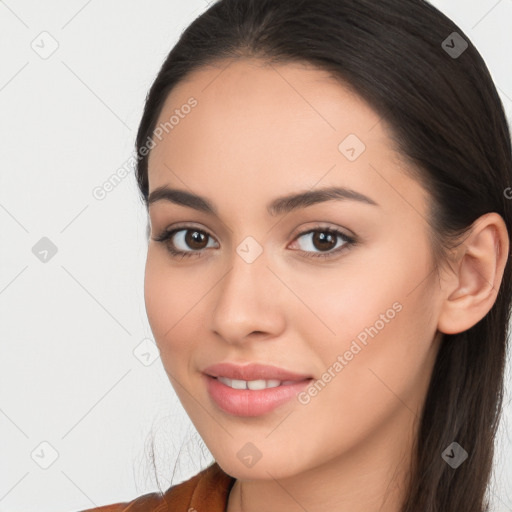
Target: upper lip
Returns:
[252, 371]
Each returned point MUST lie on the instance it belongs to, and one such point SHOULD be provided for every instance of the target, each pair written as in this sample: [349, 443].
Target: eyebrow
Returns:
[278, 206]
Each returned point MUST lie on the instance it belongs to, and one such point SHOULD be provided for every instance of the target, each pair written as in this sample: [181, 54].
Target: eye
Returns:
[181, 238]
[325, 239]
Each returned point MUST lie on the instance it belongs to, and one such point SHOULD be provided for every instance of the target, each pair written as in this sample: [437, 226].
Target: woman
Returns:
[328, 274]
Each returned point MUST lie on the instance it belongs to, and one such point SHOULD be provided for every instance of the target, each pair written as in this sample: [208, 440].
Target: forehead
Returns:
[244, 104]
[264, 128]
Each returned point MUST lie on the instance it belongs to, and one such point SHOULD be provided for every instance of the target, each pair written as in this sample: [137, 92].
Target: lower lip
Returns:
[246, 402]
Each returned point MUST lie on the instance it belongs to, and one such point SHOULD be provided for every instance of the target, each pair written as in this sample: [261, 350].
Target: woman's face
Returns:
[276, 288]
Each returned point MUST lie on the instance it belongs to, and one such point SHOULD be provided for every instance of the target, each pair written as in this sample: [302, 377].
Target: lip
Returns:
[253, 371]
[247, 402]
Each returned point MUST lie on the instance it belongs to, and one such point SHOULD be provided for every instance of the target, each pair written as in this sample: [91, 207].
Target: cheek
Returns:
[172, 301]
[157, 298]
[335, 304]
[378, 362]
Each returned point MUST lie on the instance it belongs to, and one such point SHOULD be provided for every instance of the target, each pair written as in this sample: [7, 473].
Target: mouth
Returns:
[238, 397]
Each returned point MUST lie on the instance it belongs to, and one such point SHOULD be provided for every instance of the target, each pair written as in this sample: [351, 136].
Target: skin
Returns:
[259, 132]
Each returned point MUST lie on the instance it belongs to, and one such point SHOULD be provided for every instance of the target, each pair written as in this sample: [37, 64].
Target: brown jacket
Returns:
[208, 490]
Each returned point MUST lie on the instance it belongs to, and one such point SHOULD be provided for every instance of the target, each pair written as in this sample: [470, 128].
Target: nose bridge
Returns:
[243, 303]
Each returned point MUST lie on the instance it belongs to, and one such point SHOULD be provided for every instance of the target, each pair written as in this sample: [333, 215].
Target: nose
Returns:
[248, 302]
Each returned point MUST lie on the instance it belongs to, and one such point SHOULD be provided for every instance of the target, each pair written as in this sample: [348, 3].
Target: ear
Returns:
[471, 290]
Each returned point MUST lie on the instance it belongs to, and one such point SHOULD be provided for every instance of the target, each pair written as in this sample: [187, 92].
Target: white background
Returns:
[68, 327]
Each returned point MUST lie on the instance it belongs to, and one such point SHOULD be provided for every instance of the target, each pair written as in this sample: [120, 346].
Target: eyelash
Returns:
[349, 241]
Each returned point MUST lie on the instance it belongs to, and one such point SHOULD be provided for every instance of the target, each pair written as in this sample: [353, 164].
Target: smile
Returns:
[251, 398]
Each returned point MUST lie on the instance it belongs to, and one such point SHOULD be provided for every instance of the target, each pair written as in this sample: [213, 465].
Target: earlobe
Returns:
[480, 267]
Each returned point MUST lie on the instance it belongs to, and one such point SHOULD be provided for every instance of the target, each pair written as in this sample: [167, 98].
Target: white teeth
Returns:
[238, 384]
[263, 384]
[251, 384]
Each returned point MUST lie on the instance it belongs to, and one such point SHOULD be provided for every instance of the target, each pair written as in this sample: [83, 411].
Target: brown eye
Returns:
[185, 242]
[195, 239]
[324, 240]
